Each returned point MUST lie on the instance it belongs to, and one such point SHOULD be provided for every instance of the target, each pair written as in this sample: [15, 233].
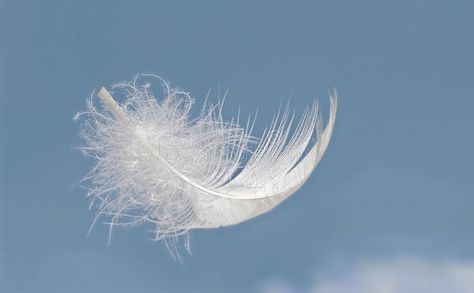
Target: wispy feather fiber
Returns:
[154, 163]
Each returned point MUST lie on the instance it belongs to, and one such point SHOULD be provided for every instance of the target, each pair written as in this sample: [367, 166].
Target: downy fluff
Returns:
[154, 163]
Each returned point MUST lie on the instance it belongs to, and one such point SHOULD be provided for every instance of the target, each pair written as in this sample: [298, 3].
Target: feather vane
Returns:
[154, 163]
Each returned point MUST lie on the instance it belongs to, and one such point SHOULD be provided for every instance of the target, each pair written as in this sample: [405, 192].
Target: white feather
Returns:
[156, 164]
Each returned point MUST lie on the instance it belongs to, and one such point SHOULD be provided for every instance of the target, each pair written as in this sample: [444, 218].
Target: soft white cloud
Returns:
[390, 276]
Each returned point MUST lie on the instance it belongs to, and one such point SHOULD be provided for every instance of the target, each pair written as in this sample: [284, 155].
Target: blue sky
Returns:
[395, 186]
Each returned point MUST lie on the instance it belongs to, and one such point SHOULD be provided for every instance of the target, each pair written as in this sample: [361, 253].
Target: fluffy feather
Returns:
[156, 164]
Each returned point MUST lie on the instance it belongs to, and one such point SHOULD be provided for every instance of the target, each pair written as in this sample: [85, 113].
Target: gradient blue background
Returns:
[396, 180]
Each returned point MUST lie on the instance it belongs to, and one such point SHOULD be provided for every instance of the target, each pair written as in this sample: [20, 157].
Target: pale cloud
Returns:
[389, 276]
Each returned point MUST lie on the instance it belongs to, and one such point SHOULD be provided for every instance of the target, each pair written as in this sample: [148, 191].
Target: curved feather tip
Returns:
[154, 163]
